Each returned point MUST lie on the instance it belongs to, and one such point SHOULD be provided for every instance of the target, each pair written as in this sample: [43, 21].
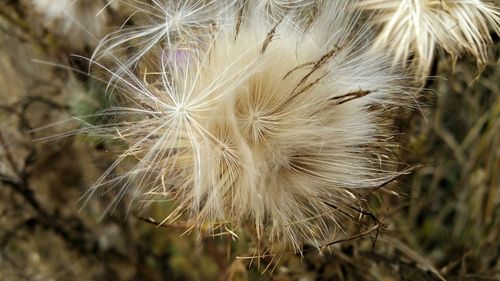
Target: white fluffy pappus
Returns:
[414, 29]
[265, 122]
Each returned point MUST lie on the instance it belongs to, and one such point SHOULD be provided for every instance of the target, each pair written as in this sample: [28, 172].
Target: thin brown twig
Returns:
[354, 237]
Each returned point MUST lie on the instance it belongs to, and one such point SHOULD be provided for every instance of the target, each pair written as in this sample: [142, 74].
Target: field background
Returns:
[443, 224]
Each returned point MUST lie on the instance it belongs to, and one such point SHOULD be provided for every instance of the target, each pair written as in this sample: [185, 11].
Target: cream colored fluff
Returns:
[414, 29]
[262, 121]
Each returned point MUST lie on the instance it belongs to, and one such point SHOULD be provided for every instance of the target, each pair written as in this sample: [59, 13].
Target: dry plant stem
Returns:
[375, 229]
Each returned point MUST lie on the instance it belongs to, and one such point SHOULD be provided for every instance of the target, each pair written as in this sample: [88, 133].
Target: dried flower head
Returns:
[245, 118]
[413, 29]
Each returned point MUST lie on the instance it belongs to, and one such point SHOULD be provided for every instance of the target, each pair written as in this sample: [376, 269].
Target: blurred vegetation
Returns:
[444, 224]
